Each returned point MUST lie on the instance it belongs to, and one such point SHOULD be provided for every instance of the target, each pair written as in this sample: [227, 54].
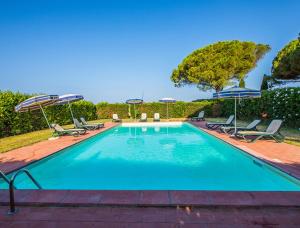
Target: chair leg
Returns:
[257, 138]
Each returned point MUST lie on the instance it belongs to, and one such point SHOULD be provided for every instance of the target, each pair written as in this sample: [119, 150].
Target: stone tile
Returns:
[154, 198]
[75, 197]
[46, 197]
[120, 197]
[190, 197]
[230, 198]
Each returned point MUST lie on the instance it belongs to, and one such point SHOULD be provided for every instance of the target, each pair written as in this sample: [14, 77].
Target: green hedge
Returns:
[13, 123]
[279, 103]
[176, 110]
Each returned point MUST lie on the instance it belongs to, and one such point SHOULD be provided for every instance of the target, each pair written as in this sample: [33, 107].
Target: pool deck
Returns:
[60, 208]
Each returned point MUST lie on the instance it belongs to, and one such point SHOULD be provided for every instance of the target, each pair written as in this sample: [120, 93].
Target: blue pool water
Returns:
[179, 157]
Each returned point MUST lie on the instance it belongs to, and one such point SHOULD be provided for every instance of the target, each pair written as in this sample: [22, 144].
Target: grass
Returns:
[17, 141]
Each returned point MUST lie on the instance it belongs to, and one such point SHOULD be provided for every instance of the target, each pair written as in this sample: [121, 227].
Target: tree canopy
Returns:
[286, 64]
[214, 66]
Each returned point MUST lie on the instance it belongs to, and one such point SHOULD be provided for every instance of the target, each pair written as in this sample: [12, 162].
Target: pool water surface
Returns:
[169, 156]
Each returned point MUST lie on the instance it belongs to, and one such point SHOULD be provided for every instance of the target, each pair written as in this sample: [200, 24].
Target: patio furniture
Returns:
[199, 117]
[59, 130]
[215, 125]
[115, 118]
[143, 117]
[237, 93]
[250, 127]
[156, 117]
[271, 132]
[81, 126]
[97, 125]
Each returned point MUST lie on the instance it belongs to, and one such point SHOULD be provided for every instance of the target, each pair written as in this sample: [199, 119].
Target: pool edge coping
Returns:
[152, 198]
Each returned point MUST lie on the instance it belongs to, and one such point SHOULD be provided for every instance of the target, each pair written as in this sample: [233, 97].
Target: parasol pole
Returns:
[44, 114]
[134, 112]
[71, 112]
[235, 115]
[167, 111]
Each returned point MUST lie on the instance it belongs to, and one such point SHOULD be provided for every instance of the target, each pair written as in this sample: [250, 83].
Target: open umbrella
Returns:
[37, 102]
[237, 92]
[167, 100]
[134, 101]
[68, 99]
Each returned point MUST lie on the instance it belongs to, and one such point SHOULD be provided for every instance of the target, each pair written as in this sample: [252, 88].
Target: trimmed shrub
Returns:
[176, 110]
[275, 104]
[13, 123]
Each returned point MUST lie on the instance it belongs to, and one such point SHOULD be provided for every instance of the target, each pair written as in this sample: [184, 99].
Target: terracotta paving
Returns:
[282, 155]
[20, 157]
[134, 217]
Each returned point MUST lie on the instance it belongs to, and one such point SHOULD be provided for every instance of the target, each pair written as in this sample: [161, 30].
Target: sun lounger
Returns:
[81, 126]
[199, 117]
[271, 132]
[115, 118]
[215, 125]
[59, 130]
[156, 117]
[97, 125]
[250, 127]
[143, 117]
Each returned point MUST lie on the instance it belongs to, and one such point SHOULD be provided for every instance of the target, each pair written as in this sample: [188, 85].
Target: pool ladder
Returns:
[10, 182]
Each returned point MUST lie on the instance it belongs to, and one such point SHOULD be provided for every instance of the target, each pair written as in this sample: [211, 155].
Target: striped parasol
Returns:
[68, 99]
[37, 102]
[234, 93]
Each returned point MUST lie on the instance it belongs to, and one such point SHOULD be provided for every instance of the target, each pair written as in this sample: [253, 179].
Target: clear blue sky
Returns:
[114, 50]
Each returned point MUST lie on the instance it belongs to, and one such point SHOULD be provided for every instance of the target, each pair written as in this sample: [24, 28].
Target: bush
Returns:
[280, 103]
[275, 104]
[176, 110]
[13, 123]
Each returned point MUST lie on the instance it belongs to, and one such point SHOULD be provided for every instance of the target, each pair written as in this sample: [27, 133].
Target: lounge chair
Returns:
[215, 125]
[143, 117]
[115, 118]
[81, 126]
[156, 117]
[97, 125]
[199, 117]
[59, 130]
[250, 127]
[271, 132]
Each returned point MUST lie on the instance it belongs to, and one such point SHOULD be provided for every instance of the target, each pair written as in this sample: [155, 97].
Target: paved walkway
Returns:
[282, 155]
[139, 217]
[20, 157]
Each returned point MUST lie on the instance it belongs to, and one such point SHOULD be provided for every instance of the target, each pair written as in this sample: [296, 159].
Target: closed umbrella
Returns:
[68, 99]
[134, 101]
[237, 93]
[167, 100]
[37, 102]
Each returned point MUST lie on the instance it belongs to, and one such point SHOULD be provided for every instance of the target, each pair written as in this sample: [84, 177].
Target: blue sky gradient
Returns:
[115, 50]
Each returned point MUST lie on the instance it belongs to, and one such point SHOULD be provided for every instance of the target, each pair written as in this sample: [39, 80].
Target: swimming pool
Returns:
[155, 156]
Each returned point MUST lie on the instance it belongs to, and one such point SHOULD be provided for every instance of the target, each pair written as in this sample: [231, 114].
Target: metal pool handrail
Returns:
[4, 177]
[12, 207]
